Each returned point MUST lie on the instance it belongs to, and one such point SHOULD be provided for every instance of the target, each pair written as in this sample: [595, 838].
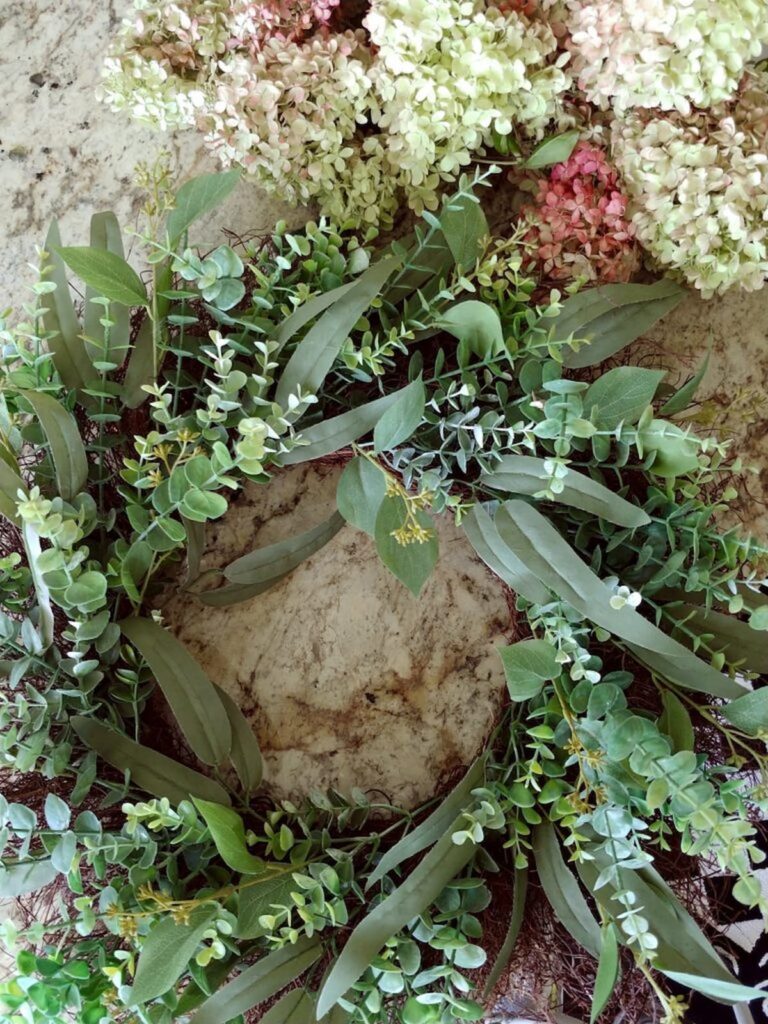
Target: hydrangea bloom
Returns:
[671, 54]
[450, 73]
[698, 187]
[579, 227]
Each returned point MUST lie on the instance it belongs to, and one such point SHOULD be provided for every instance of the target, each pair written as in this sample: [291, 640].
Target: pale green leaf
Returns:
[482, 534]
[18, 879]
[306, 312]
[192, 697]
[295, 1007]
[10, 485]
[675, 722]
[102, 347]
[749, 713]
[333, 434]
[528, 666]
[554, 150]
[465, 229]
[477, 326]
[245, 754]
[228, 834]
[723, 991]
[66, 346]
[741, 645]
[680, 401]
[519, 892]
[607, 971]
[260, 898]
[195, 198]
[63, 436]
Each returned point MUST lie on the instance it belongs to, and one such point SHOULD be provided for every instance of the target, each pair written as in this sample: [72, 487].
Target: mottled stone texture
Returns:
[348, 679]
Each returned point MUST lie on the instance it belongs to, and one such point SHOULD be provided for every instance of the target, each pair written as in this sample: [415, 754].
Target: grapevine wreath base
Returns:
[553, 831]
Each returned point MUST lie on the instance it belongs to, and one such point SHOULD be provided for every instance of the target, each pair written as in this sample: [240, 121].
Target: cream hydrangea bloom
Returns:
[669, 54]
[698, 188]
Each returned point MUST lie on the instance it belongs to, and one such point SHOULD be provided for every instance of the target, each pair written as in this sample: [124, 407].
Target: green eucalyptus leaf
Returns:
[482, 534]
[165, 952]
[360, 492]
[100, 345]
[106, 273]
[411, 563]
[519, 892]
[67, 348]
[562, 890]
[525, 474]
[10, 485]
[750, 712]
[675, 452]
[200, 506]
[259, 982]
[157, 774]
[741, 645]
[434, 826]
[528, 666]
[191, 695]
[621, 395]
[553, 561]
[610, 317]
[554, 150]
[245, 754]
[477, 326]
[465, 229]
[295, 1007]
[607, 971]
[20, 879]
[259, 898]
[411, 898]
[228, 833]
[401, 419]
[268, 564]
[34, 553]
[317, 351]
[306, 312]
[63, 436]
[333, 434]
[723, 991]
[675, 722]
[195, 198]
[680, 401]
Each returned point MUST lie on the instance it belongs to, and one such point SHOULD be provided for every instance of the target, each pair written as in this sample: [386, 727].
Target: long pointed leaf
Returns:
[195, 198]
[10, 485]
[67, 347]
[433, 827]
[275, 561]
[562, 890]
[106, 235]
[255, 984]
[34, 550]
[307, 311]
[336, 433]
[482, 534]
[193, 698]
[157, 774]
[411, 898]
[524, 474]
[552, 560]
[316, 352]
[63, 436]
[519, 893]
[245, 754]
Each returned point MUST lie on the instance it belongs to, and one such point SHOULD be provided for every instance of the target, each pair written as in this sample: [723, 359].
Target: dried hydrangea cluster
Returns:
[579, 227]
[349, 120]
[670, 54]
[699, 188]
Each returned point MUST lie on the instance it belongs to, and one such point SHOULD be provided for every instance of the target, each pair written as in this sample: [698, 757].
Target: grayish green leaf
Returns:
[528, 666]
[421, 888]
[519, 892]
[295, 1007]
[434, 826]
[749, 713]
[360, 492]
[554, 150]
[316, 353]
[686, 394]
[22, 878]
[10, 485]
[562, 890]
[268, 564]
[192, 697]
[723, 991]
[482, 534]
[621, 395]
[196, 197]
[306, 312]
[476, 325]
[165, 952]
[740, 644]
[228, 833]
[245, 754]
[464, 228]
[401, 419]
[525, 474]
[106, 273]
[413, 562]
[612, 316]
[675, 722]
[255, 984]
[607, 971]
[157, 774]
[260, 898]
[106, 235]
[66, 346]
[63, 436]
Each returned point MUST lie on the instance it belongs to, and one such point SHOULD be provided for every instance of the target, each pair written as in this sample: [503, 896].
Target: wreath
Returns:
[630, 746]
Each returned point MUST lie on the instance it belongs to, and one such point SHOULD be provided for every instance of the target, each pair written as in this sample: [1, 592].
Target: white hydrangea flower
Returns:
[698, 189]
[670, 54]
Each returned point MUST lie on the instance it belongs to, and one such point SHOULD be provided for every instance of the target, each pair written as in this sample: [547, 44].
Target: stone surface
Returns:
[348, 679]
[64, 155]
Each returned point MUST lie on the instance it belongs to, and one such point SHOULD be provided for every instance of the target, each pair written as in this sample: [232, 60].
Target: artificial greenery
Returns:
[126, 429]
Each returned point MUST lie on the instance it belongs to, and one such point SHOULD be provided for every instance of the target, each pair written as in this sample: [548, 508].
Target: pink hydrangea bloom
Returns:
[579, 227]
[253, 21]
